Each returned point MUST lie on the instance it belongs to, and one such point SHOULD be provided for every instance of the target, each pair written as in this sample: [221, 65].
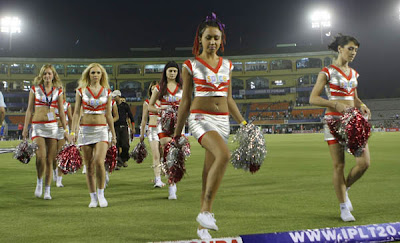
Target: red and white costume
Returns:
[60, 133]
[93, 104]
[45, 129]
[169, 99]
[339, 87]
[152, 132]
[209, 82]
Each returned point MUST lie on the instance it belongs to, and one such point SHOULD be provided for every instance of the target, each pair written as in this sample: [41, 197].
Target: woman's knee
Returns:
[338, 167]
[364, 164]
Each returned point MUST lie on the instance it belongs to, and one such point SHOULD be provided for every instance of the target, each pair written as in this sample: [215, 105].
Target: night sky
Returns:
[71, 28]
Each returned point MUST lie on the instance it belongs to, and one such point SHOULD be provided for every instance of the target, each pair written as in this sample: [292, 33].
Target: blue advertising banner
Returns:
[366, 233]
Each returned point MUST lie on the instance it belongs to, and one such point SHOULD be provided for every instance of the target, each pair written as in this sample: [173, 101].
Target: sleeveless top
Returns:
[156, 105]
[340, 86]
[171, 98]
[44, 99]
[209, 81]
[94, 103]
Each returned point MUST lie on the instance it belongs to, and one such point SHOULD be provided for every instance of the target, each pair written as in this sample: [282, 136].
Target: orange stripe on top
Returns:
[209, 112]
[43, 122]
[189, 65]
[333, 114]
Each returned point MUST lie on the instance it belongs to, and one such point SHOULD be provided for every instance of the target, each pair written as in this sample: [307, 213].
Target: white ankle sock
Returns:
[100, 192]
[93, 196]
[47, 190]
[343, 206]
[39, 181]
[59, 179]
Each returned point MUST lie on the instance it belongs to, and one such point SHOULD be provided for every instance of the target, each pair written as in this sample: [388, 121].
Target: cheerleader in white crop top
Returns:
[169, 93]
[57, 173]
[152, 135]
[93, 95]
[45, 96]
[208, 76]
[340, 84]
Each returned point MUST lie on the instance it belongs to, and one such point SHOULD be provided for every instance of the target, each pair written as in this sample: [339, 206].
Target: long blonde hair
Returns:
[84, 81]
[56, 79]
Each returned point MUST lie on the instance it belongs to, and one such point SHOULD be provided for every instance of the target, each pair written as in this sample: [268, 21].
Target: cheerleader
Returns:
[44, 97]
[93, 95]
[340, 83]
[152, 134]
[209, 76]
[115, 116]
[57, 173]
[169, 93]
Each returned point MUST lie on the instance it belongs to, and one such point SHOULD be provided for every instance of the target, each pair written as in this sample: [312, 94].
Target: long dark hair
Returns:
[149, 91]
[164, 80]
[210, 21]
[342, 40]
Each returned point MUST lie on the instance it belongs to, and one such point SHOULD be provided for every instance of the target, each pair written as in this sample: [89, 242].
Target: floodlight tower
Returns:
[321, 19]
[10, 25]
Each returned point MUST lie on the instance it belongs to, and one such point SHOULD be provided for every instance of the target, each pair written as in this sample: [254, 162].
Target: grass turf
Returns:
[292, 191]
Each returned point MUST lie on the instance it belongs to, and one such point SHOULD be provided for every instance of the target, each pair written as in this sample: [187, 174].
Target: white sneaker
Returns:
[348, 202]
[172, 192]
[38, 190]
[207, 220]
[158, 183]
[93, 203]
[346, 215]
[84, 169]
[203, 234]
[59, 182]
[103, 202]
[47, 194]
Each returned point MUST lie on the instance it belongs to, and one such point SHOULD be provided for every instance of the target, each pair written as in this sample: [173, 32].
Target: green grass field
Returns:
[292, 191]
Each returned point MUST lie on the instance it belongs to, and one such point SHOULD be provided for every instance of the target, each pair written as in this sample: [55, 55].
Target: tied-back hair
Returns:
[209, 21]
[342, 40]
[149, 90]
[164, 80]
[56, 79]
[84, 81]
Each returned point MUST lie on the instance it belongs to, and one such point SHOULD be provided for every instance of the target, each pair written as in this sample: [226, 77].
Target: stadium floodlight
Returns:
[320, 19]
[10, 25]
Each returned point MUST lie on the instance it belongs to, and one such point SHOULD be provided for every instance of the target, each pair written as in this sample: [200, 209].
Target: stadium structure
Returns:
[271, 89]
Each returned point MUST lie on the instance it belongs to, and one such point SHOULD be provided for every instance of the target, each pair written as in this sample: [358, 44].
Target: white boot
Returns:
[47, 193]
[172, 192]
[39, 188]
[102, 200]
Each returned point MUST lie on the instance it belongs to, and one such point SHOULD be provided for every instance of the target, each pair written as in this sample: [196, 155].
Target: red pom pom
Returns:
[111, 158]
[69, 159]
[169, 119]
[173, 163]
[352, 130]
[139, 153]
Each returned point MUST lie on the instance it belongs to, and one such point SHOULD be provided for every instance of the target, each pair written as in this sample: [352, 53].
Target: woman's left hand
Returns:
[113, 141]
[67, 137]
[365, 111]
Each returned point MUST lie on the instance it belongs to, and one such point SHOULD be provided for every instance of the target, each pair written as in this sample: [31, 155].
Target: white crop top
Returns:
[340, 86]
[171, 98]
[209, 81]
[94, 104]
[43, 99]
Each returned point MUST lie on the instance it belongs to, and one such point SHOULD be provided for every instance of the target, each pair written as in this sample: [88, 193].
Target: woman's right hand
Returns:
[340, 107]
[24, 134]
[141, 138]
